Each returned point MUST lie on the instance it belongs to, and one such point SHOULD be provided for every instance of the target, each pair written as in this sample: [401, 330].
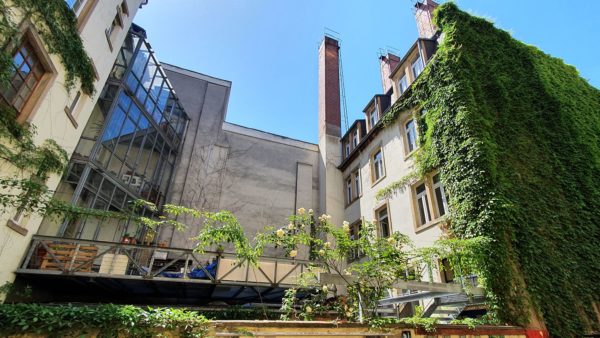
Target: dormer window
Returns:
[373, 116]
[347, 149]
[417, 66]
[403, 84]
[355, 138]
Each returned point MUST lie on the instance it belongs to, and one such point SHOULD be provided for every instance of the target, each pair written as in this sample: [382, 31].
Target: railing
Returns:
[56, 255]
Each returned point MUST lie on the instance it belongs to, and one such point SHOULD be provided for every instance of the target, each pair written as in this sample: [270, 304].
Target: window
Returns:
[372, 119]
[354, 236]
[424, 216]
[417, 66]
[440, 196]
[447, 272]
[347, 148]
[26, 74]
[355, 138]
[377, 166]
[426, 208]
[117, 22]
[403, 84]
[353, 187]
[75, 5]
[124, 7]
[349, 196]
[383, 221]
[357, 185]
[17, 222]
[373, 116]
[411, 135]
[71, 109]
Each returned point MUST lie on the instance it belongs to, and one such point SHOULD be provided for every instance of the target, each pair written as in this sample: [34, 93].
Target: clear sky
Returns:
[268, 48]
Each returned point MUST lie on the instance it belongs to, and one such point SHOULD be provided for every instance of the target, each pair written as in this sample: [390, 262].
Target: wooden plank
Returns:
[61, 255]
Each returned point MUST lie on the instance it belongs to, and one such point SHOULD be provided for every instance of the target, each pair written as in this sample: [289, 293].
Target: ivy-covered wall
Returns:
[516, 136]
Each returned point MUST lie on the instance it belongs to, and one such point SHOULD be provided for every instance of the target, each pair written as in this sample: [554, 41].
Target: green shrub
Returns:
[107, 320]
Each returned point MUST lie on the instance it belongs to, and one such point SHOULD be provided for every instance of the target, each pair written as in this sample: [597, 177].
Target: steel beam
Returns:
[411, 298]
[332, 278]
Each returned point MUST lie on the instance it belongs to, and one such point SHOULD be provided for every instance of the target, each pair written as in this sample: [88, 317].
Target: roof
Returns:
[352, 126]
[407, 55]
[371, 101]
[197, 75]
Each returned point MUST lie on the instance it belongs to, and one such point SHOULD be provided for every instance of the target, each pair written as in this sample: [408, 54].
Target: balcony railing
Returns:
[78, 257]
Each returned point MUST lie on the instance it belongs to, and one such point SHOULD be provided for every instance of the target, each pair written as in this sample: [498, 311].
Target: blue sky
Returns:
[268, 48]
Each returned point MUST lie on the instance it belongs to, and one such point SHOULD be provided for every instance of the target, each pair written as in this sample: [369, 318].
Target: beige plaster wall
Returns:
[52, 122]
[397, 165]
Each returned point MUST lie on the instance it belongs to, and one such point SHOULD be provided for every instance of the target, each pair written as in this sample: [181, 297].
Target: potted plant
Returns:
[127, 239]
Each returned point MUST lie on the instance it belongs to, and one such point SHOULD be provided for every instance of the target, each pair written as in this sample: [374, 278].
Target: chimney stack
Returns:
[329, 88]
[387, 63]
[424, 17]
[330, 129]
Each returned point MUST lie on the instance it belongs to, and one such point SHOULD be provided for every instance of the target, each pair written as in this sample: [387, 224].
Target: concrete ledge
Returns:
[270, 328]
[263, 135]
[191, 73]
[21, 230]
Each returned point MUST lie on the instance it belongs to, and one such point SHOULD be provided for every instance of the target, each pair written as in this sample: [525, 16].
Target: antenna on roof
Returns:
[393, 50]
[331, 33]
[336, 35]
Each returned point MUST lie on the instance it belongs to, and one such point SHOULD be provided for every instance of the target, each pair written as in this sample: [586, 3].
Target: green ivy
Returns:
[105, 320]
[57, 25]
[515, 134]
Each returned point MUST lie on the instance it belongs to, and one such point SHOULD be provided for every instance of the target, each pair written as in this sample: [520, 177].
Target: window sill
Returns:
[71, 117]
[108, 39]
[377, 181]
[410, 154]
[16, 227]
[352, 202]
[429, 225]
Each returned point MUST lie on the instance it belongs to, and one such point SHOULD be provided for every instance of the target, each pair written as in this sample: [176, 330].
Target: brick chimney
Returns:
[387, 63]
[424, 17]
[330, 124]
[329, 88]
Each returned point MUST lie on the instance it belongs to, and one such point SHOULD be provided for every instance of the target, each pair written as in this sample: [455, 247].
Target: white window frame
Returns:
[379, 221]
[347, 148]
[373, 118]
[357, 182]
[422, 199]
[349, 194]
[410, 146]
[355, 139]
[403, 84]
[444, 200]
[378, 169]
[417, 64]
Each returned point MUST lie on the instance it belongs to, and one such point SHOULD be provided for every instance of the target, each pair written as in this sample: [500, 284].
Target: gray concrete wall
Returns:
[261, 177]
